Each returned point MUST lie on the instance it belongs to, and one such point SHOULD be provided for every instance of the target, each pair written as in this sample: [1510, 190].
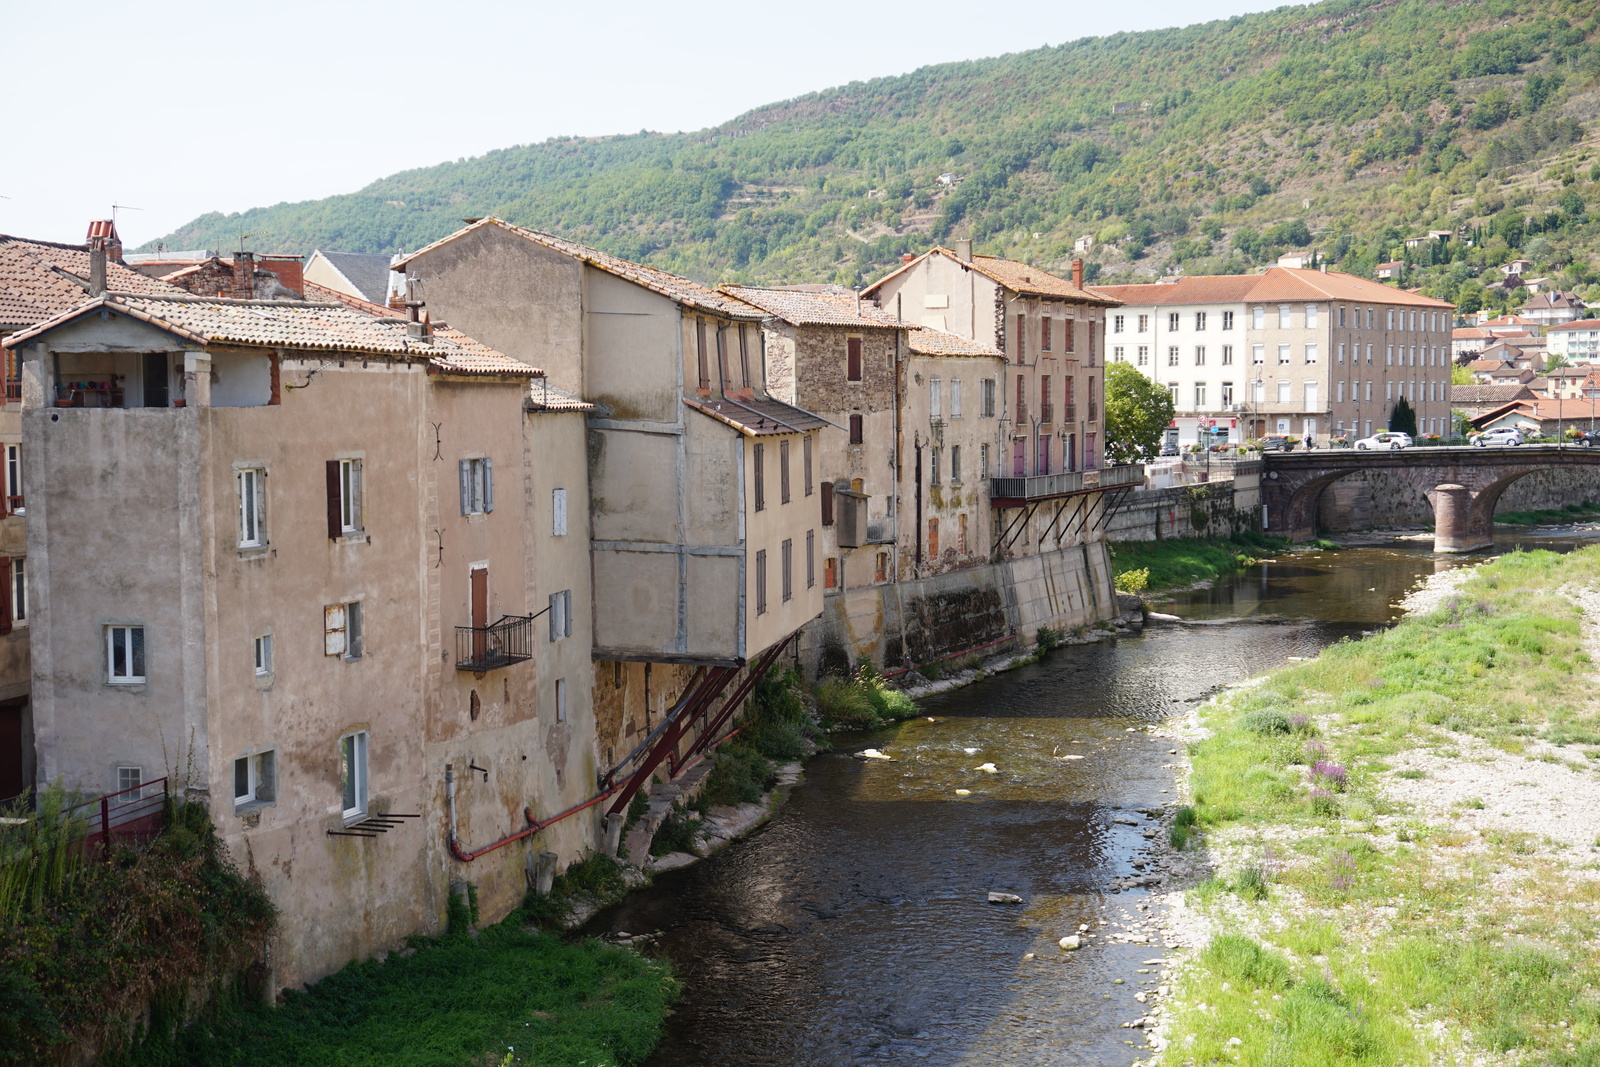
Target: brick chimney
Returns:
[908, 257]
[106, 231]
[97, 266]
[1077, 273]
[289, 269]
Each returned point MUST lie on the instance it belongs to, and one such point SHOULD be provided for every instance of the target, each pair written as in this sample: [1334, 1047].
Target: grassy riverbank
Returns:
[1405, 842]
[1182, 561]
[508, 995]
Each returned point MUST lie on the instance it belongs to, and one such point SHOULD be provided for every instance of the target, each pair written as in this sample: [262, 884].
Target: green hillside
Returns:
[1344, 125]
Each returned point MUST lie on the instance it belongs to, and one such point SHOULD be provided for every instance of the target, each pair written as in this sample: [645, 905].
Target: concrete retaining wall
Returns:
[1211, 509]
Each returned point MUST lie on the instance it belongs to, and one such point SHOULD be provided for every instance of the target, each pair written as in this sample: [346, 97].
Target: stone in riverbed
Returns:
[872, 753]
[1004, 898]
[1070, 943]
[1125, 821]
[988, 768]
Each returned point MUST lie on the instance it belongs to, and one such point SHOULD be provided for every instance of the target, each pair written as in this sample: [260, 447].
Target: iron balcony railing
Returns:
[488, 648]
[1006, 492]
[129, 816]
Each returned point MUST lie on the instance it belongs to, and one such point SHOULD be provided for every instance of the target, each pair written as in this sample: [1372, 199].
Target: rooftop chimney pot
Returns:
[908, 257]
[1077, 273]
[97, 266]
[964, 250]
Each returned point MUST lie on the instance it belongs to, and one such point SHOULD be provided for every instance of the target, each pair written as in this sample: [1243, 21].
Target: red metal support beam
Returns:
[688, 711]
[708, 736]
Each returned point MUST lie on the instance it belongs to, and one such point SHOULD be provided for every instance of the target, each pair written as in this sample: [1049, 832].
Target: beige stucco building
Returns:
[308, 565]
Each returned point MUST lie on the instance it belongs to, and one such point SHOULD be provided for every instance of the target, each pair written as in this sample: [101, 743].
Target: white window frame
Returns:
[344, 631]
[1284, 349]
[1117, 322]
[1172, 355]
[1258, 354]
[1174, 321]
[1227, 320]
[14, 478]
[252, 485]
[351, 519]
[955, 398]
[259, 768]
[1199, 321]
[1199, 396]
[19, 591]
[477, 485]
[127, 676]
[935, 398]
[1311, 351]
[1199, 355]
[261, 649]
[1144, 323]
[1284, 317]
[129, 777]
[353, 750]
[561, 615]
[1311, 316]
[1285, 391]
[561, 700]
[558, 512]
[1144, 355]
[1258, 318]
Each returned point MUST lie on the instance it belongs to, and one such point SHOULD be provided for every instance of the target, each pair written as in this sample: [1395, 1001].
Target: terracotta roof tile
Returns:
[1580, 324]
[1275, 283]
[1018, 277]
[823, 305]
[292, 324]
[927, 341]
[1488, 394]
[759, 416]
[545, 397]
[682, 290]
[1198, 289]
[40, 279]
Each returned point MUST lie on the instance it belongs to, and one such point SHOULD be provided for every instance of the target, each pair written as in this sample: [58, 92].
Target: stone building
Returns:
[705, 503]
[310, 564]
[1297, 352]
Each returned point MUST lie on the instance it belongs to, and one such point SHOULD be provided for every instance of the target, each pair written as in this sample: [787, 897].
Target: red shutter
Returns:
[5, 594]
[335, 520]
[856, 427]
[853, 359]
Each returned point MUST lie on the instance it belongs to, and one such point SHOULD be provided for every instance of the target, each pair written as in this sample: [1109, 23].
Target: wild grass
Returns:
[861, 701]
[1178, 562]
[1301, 756]
[1551, 516]
[38, 857]
[511, 995]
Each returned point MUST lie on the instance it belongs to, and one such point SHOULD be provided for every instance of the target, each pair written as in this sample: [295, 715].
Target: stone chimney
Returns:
[106, 230]
[1077, 273]
[417, 326]
[97, 266]
[244, 273]
[963, 250]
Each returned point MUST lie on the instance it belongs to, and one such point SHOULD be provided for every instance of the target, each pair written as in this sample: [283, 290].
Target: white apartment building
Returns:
[1286, 351]
[1577, 342]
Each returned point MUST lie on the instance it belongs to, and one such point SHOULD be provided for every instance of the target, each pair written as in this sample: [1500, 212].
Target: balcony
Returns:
[1047, 414]
[1015, 492]
[488, 648]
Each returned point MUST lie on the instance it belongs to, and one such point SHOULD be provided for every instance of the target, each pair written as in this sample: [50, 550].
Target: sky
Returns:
[172, 110]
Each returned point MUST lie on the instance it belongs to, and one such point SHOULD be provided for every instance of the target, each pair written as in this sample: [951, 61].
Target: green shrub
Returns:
[676, 833]
[1133, 581]
[1048, 638]
[842, 704]
[739, 776]
[1265, 721]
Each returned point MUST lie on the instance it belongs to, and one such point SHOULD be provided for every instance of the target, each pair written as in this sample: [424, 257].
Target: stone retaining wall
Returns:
[1210, 509]
[1369, 499]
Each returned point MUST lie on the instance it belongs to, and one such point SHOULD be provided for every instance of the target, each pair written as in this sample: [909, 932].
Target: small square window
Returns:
[253, 779]
[129, 780]
[125, 655]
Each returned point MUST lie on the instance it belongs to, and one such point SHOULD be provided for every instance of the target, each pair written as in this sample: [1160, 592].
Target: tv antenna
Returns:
[245, 236]
[121, 207]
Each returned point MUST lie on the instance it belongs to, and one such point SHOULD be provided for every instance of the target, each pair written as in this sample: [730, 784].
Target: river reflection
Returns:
[854, 928]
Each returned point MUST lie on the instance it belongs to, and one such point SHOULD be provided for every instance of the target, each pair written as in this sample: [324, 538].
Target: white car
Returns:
[1391, 439]
[1500, 435]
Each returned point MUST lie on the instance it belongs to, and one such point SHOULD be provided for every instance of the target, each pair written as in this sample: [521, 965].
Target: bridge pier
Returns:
[1455, 528]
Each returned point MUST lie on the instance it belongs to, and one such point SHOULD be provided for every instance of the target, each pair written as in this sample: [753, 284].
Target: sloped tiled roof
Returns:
[1287, 283]
[1199, 289]
[368, 272]
[291, 324]
[818, 305]
[1552, 300]
[545, 397]
[669, 285]
[927, 341]
[1018, 277]
[1488, 394]
[1580, 324]
[1508, 320]
[759, 416]
[41, 279]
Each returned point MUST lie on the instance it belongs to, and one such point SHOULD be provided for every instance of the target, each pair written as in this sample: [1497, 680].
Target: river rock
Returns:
[1004, 898]
[1125, 821]
[1159, 616]
[988, 768]
[963, 792]
[1070, 943]
[872, 753]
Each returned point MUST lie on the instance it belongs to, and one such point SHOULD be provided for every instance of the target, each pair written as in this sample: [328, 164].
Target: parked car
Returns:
[1277, 442]
[1169, 449]
[1500, 435]
[1587, 438]
[1390, 439]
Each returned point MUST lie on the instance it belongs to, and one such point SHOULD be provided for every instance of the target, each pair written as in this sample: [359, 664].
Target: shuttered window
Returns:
[783, 472]
[561, 614]
[788, 569]
[852, 348]
[806, 452]
[341, 630]
[811, 558]
[345, 511]
[700, 349]
[558, 512]
[856, 429]
[761, 582]
[477, 486]
[759, 462]
[827, 503]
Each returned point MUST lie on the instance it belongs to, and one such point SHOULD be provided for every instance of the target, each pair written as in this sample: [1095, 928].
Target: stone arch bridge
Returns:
[1463, 484]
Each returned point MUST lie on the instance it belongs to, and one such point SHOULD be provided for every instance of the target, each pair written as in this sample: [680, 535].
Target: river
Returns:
[855, 928]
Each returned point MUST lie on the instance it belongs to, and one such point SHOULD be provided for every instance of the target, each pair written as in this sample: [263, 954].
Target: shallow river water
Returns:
[855, 929]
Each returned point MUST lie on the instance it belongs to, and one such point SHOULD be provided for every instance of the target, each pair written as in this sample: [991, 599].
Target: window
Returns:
[477, 486]
[1199, 320]
[961, 533]
[955, 465]
[986, 397]
[830, 573]
[856, 429]
[124, 654]
[852, 359]
[1258, 318]
[1388, 390]
[1311, 352]
[129, 778]
[1388, 357]
[744, 355]
[1369, 390]
[935, 397]
[263, 655]
[561, 700]
[882, 572]
[1258, 353]
[1117, 354]
[1227, 320]
[344, 498]
[19, 589]
[1069, 331]
[788, 569]
[1285, 391]
[1046, 408]
[827, 503]
[1311, 316]
[1258, 391]
[933, 466]
[1199, 355]
[1284, 316]
[811, 559]
[253, 779]
[761, 582]
[1340, 394]
[805, 461]
[1199, 396]
[558, 512]
[955, 398]
[1227, 355]
[1172, 355]
[353, 773]
[1173, 323]
[341, 630]
[783, 472]
[1172, 388]
[1283, 352]
[1022, 399]
[1144, 355]
[1045, 344]
[252, 508]
[1022, 334]
[722, 359]
[1227, 395]
[933, 538]
[1311, 396]
[700, 354]
[1144, 323]
[14, 498]
[560, 614]
[759, 464]
[1117, 322]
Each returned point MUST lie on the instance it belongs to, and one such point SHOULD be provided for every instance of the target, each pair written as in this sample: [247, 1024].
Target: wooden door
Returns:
[480, 611]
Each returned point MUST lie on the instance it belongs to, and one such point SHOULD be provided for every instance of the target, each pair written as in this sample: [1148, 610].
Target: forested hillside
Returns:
[1343, 126]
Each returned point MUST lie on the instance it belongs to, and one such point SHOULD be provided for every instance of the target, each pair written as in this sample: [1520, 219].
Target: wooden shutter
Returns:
[5, 594]
[827, 503]
[465, 467]
[558, 523]
[488, 484]
[335, 522]
[333, 630]
[853, 359]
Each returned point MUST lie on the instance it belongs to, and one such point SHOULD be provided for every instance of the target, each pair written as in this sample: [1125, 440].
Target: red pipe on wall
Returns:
[533, 827]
